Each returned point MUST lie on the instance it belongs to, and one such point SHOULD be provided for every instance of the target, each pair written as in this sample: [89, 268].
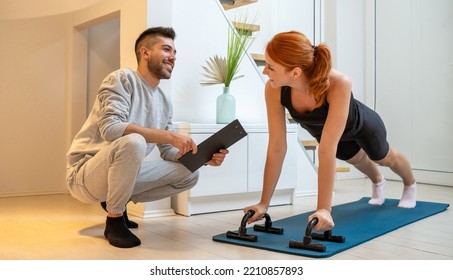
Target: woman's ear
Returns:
[296, 72]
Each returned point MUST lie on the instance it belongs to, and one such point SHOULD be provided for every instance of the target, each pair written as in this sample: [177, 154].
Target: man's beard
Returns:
[158, 69]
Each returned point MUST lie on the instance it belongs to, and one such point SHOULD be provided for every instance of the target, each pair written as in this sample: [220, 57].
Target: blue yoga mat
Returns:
[357, 221]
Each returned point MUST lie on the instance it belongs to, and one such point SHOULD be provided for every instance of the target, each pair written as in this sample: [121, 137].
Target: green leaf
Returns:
[221, 70]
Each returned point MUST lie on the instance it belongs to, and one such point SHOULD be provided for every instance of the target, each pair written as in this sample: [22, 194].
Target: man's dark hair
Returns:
[152, 32]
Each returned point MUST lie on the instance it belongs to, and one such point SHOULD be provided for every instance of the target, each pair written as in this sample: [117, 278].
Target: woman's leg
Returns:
[399, 164]
[365, 165]
[373, 140]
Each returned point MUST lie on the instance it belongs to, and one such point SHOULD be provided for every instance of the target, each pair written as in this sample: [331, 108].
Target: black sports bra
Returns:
[314, 121]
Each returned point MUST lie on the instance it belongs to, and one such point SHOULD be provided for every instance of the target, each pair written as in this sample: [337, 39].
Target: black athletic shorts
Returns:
[372, 138]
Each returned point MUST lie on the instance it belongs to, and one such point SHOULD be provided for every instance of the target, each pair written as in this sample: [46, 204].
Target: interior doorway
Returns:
[103, 56]
[95, 53]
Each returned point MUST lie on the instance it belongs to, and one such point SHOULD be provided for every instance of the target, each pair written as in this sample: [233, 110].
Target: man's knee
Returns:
[195, 176]
[189, 179]
[134, 145]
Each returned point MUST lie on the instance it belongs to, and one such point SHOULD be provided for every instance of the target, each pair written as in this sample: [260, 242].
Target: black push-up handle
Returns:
[306, 243]
[267, 227]
[327, 236]
[241, 233]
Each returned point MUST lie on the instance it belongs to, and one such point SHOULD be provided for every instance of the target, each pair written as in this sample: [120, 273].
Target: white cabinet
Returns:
[238, 182]
[257, 159]
[226, 179]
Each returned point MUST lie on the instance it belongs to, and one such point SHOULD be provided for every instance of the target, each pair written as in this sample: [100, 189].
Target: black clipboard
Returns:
[222, 139]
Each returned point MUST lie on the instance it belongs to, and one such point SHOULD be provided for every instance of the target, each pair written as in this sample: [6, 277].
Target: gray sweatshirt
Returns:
[124, 97]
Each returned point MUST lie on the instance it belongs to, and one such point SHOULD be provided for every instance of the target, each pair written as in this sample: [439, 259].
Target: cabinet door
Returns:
[257, 159]
[229, 178]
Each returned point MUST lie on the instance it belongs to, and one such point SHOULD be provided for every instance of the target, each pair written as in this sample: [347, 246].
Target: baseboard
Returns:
[306, 193]
[159, 208]
[187, 205]
[33, 193]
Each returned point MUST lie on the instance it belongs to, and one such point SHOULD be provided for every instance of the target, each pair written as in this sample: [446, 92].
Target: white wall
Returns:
[277, 16]
[32, 89]
[132, 18]
[41, 60]
[41, 111]
[346, 36]
[201, 34]
[414, 81]
[350, 44]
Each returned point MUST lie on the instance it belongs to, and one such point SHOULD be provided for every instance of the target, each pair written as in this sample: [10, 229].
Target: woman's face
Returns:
[277, 73]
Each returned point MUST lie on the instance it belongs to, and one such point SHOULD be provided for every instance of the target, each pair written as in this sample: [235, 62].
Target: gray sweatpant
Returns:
[118, 173]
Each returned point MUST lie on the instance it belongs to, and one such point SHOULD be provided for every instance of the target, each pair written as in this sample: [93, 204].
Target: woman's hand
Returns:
[325, 220]
[260, 210]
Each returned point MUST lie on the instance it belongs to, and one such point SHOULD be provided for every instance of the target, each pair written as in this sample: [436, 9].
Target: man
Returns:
[131, 115]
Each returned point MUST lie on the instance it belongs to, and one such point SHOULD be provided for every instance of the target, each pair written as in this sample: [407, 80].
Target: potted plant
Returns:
[223, 70]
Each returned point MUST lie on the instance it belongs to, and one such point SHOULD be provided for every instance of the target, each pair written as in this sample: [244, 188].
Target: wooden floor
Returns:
[57, 227]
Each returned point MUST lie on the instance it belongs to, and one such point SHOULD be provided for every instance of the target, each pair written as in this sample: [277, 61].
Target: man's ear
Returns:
[144, 51]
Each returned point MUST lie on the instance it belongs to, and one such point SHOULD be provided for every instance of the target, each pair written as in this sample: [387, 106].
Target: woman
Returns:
[319, 98]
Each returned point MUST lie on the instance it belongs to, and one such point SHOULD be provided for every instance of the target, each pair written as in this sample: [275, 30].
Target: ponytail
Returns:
[318, 78]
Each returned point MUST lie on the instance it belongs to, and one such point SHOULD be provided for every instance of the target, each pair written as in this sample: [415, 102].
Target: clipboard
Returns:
[222, 139]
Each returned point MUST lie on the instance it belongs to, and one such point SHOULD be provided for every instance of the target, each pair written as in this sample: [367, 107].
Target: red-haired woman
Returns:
[319, 98]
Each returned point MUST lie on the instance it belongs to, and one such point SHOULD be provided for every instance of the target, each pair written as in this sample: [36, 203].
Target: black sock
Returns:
[118, 234]
[129, 223]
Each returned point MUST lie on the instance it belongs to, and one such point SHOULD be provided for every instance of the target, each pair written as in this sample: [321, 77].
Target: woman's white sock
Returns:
[409, 197]
[377, 193]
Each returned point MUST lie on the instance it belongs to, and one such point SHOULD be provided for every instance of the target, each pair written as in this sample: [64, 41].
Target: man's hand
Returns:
[217, 158]
[184, 144]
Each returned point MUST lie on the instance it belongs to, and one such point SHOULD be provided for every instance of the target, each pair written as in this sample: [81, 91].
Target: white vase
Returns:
[226, 107]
